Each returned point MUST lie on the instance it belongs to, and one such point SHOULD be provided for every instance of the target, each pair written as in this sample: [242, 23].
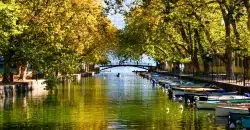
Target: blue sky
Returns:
[117, 20]
[145, 60]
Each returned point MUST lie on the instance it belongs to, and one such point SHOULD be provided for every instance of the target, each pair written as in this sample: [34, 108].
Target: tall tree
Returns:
[59, 35]
[10, 27]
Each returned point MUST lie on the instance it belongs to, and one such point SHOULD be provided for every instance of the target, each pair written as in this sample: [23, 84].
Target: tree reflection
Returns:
[113, 103]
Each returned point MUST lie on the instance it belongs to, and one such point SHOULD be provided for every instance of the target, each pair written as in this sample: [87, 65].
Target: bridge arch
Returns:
[146, 67]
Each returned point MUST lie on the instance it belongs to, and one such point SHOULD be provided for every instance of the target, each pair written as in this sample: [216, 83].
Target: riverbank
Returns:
[20, 86]
[224, 84]
[36, 86]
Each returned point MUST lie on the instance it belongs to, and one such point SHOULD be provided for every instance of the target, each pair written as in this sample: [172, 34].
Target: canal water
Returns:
[104, 102]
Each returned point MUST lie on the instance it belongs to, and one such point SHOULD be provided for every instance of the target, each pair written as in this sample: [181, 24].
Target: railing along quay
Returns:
[228, 85]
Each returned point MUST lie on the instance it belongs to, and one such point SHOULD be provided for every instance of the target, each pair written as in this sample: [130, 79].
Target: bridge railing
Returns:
[140, 64]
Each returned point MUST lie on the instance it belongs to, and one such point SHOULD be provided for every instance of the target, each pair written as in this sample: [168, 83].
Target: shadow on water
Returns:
[103, 102]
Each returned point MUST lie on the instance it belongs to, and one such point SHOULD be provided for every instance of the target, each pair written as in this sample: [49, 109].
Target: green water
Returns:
[103, 102]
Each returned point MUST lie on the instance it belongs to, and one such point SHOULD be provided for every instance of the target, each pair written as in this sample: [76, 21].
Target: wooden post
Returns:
[244, 73]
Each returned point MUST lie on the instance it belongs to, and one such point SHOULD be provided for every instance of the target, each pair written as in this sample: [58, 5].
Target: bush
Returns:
[51, 82]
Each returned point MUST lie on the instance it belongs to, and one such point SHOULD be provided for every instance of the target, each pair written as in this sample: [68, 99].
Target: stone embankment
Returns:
[36, 86]
[88, 74]
[20, 87]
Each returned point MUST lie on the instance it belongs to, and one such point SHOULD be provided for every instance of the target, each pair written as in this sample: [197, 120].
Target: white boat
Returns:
[178, 93]
[206, 104]
[224, 110]
[213, 104]
[195, 89]
[181, 91]
[227, 97]
[212, 101]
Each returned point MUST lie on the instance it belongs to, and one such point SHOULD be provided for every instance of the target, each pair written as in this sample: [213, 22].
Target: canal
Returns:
[103, 102]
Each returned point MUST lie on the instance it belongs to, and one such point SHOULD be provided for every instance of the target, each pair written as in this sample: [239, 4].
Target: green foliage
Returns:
[50, 82]
[55, 37]
[9, 27]
[185, 31]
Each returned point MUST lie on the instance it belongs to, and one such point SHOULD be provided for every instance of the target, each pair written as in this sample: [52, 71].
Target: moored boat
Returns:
[220, 93]
[227, 98]
[206, 104]
[195, 89]
[211, 104]
[212, 101]
[235, 120]
[224, 110]
[245, 121]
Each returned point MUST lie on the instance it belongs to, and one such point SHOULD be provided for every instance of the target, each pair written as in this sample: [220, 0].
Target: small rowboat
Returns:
[213, 101]
[195, 89]
[224, 110]
[227, 98]
[199, 91]
[206, 104]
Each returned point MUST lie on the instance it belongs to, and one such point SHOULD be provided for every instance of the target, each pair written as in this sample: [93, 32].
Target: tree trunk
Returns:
[229, 57]
[19, 69]
[157, 65]
[229, 62]
[227, 17]
[197, 43]
[6, 74]
[162, 66]
[228, 52]
[201, 48]
[177, 68]
[23, 72]
[206, 67]
[195, 62]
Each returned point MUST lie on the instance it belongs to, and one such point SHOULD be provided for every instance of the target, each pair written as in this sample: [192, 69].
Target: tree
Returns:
[59, 35]
[10, 27]
[177, 31]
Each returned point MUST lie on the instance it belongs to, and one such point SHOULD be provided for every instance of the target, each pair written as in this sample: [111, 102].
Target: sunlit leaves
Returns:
[56, 36]
[9, 27]
[172, 30]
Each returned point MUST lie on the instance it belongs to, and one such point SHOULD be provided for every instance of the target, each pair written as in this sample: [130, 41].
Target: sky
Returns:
[117, 20]
[145, 60]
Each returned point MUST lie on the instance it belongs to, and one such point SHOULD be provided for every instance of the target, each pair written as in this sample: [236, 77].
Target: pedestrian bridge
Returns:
[143, 66]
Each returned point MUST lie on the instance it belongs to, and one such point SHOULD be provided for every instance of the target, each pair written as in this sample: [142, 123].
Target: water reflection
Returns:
[103, 102]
